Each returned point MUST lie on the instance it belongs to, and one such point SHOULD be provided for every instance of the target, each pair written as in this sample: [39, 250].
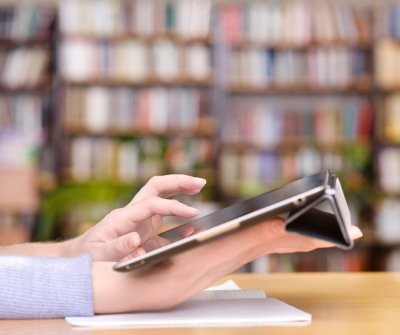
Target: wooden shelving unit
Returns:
[298, 95]
[143, 108]
[25, 43]
[276, 90]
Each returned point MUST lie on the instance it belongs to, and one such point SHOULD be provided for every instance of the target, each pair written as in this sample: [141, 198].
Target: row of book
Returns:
[325, 121]
[123, 109]
[134, 60]
[21, 113]
[390, 125]
[389, 165]
[19, 148]
[20, 130]
[24, 67]
[294, 22]
[387, 66]
[26, 22]
[387, 20]
[316, 67]
[250, 172]
[107, 18]
[387, 220]
[102, 158]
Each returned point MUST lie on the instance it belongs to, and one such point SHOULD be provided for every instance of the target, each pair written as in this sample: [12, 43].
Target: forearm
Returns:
[116, 292]
[45, 287]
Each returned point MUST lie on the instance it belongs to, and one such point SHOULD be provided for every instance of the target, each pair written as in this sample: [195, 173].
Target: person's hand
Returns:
[170, 283]
[119, 234]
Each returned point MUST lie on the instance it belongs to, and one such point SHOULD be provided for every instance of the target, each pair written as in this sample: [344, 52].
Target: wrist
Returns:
[107, 285]
[69, 248]
[116, 292]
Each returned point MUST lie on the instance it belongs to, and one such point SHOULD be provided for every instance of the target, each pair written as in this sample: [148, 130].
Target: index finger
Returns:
[169, 185]
[129, 218]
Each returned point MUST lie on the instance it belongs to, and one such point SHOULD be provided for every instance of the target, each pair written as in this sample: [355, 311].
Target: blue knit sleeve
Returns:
[45, 287]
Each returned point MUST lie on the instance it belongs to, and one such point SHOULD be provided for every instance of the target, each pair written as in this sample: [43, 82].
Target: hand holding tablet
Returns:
[313, 206]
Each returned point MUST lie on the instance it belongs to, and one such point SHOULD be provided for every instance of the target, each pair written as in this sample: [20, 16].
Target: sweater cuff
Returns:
[45, 287]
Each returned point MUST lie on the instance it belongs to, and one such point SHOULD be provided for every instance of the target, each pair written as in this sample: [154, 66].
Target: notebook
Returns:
[211, 308]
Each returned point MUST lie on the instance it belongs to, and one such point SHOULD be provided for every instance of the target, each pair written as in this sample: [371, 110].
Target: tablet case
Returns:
[306, 218]
[325, 225]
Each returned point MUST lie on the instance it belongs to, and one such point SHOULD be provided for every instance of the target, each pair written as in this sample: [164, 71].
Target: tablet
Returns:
[290, 201]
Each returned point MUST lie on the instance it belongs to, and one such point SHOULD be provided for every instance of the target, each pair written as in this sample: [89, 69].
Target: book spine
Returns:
[26, 22]
[132, 160]
[187, 19]
[316, 68]
[295, 23]
[267, 123]
[120, 109]
[134, 61]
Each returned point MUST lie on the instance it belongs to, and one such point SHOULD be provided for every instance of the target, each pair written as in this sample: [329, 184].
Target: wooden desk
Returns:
[340, 303]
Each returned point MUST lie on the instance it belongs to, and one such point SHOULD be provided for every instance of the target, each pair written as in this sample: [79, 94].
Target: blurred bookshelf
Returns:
[248, 94]
[387, 157]
[25, 86]
[299, 89]
[133, 100]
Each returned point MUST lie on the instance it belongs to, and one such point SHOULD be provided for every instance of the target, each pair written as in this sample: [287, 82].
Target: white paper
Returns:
[215, 307]
[226, 285]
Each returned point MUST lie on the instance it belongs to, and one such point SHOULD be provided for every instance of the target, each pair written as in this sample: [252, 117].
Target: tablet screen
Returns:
[272, 203]
[242, 208]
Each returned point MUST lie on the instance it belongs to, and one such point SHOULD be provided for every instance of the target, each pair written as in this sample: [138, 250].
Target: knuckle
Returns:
[117, 215]
[175, 202]
[153, 200]
[154, 180]
[117, 248]
[127, 244]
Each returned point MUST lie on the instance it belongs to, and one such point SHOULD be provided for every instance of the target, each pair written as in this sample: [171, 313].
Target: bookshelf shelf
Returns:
[386, 143]
[200, 131]
[363, 87]
[150, 82]
[148, 39]
[294, 145]
[11, 43]
[246, 44]
[37, 88]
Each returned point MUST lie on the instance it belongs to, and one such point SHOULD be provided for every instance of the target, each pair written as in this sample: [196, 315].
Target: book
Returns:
[210, 308]
[389, 164]
[102, 109]
[185, 19]
[390, 127]
[294, 23]
[386, 63]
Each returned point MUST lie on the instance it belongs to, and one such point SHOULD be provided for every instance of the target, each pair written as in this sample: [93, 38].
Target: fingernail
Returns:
[200, 181]
[193, 210]
[356, 233]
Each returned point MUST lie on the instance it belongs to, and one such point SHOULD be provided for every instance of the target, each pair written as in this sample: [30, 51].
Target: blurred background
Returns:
[97, 96]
